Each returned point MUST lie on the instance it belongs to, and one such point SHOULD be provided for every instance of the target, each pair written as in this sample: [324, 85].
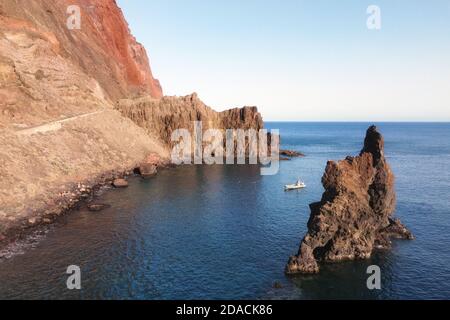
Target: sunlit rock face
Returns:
[56, 69]
[78, 103]
[161, 117]
[58, 88]
[354, 216]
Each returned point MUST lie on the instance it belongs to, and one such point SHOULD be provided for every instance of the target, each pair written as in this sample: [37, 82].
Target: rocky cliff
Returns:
[58, 86]
[52, 70]
[160, 117]
[354, 216]
[62, 127]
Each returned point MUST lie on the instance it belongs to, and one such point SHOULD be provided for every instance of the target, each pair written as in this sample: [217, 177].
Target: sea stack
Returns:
[355, 215]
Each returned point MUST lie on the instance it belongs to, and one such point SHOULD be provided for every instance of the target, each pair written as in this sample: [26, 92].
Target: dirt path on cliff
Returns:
[41, 163]
[55, 125]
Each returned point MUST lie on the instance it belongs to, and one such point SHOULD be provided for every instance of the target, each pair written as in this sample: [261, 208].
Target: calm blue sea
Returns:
[226, 232]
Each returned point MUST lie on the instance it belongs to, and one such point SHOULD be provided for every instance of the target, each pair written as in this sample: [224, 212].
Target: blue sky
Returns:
[299, 60]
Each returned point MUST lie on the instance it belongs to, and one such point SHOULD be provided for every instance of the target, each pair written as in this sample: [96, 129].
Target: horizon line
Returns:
[360, 121]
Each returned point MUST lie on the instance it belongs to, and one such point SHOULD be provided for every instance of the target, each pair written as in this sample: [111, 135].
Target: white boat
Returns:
[299, 185]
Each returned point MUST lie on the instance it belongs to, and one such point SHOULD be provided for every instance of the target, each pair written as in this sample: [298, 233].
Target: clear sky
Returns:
[299, 60]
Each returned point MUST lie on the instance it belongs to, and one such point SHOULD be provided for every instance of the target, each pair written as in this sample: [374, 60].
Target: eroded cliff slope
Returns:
[54, 71]
[60, 128]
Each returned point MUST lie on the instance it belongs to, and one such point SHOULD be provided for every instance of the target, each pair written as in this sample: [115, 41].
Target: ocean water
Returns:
[226, 232]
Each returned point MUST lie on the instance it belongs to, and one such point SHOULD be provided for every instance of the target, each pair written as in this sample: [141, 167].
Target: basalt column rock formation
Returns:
[354, 216]
[160, 117]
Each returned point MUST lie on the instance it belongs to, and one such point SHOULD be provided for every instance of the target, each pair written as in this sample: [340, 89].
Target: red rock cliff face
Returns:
[103, 48]
[106, 25]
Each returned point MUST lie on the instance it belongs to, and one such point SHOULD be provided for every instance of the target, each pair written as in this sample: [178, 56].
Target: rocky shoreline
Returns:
[74, 197]
[73, 119]
[81, 195]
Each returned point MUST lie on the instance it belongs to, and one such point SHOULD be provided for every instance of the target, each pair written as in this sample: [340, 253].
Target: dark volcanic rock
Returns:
[354, 216]
[96, 207]
[292, 154]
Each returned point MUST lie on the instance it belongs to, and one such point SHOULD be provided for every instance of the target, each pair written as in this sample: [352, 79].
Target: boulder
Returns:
[120, 183]
[32, 221]
[47, 220]
[277, 285]
[96, 207]
[148, 170]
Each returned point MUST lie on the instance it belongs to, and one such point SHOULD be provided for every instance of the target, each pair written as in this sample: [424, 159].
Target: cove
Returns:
[225, 232]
